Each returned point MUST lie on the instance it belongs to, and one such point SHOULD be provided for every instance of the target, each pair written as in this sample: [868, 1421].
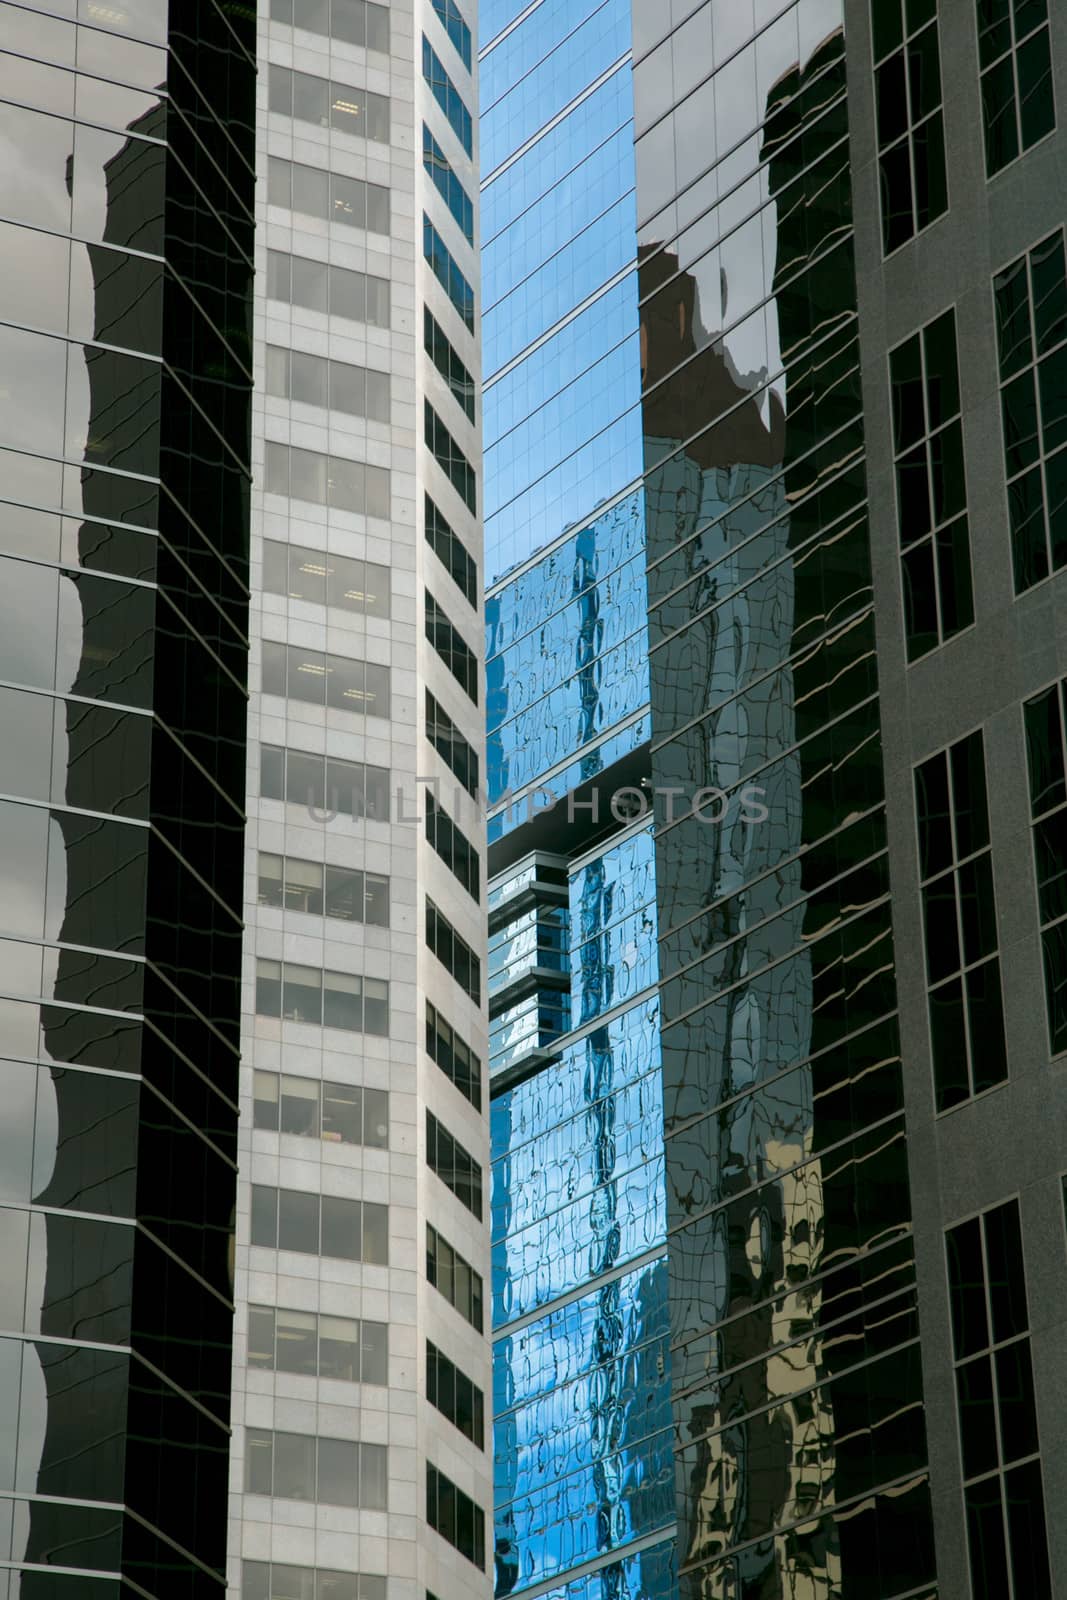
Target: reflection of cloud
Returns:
[726, 222]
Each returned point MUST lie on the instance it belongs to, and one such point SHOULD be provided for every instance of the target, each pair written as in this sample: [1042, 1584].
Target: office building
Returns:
[773, 320]
[361, 1354]
[127, 195]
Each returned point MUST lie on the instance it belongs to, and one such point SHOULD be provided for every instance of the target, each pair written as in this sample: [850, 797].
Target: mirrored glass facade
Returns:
[125, 405]
[724, 640]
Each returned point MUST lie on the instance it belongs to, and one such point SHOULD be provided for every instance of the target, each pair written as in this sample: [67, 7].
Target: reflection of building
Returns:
[749, 950]
[123, 734]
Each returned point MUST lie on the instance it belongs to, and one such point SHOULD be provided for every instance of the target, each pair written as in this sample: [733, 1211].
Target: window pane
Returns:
[310, 280]
[348, 388]
[300, 1107]
[305, 783]
[277, 371]
[268, 988]
[344, 894]
[376, 1118]
[374, 1360]
[264, 1216]
[273, 677]
[298, 1221]
[294, 1466]
[309, 379]
[345, 583]
[1007, 1281]
[291, 1583]
[261, 1336]
[376, 900]
[1015, 1394]
[376, 590]
[272, 773]
[372, 1476]
[265, 1100]
[376, 1007]
[275, 566]
[348, 294]
[375, 1234]
[302, 995]
[342, 1117]
[377, 690]
[343, 1002]
[341, 1230]
[296, 1342]
[259, 1452]
[338, 1472]
[345, 684]
[307, 675]
[339, 1348]
[279, 285]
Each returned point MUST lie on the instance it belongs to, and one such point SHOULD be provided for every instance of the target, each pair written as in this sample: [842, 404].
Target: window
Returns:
[451, 552]
[338, 1113]
[331, 105]
[330, 999]
[353, 22]
[451, 746]
[320, 1225]
[325, 579]
[271, 1580]
[931, 487]
[327, 480]
[316, 381]
[453, 952]
[447, 272]
[447, 184]
[1046, 757]
[960, 921]
[325, 785]
[451, 646]
[294, 673]
[339, 291]
[318, 1346]
[457, 30]
[911, 135]
[453, 1277]
[323, 891]
[455, 1396]
[440, 351]
[1031, 305]
[456, 1167]
[298, 1466]
[450, 458]
[454, 1056]
[453, 846]
[447, 95]
[995, 1399]
[327, 195]
[455, 1516]
[1016, 70]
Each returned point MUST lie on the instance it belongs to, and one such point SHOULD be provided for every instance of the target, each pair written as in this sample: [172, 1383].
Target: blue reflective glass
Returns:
[452, 21]
[540, 66]
[572, 490]
[447, 184]
[600, 184]
[447, 95]
[613, 928]
[583, 1191]
[572, 360]
[651, 1574]
[564, 147]
[577, 412]
[447, 272]
[552, 788]
[624, 1495]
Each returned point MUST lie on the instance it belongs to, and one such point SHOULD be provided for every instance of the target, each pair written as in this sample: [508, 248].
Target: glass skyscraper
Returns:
[774, 642]
[126, 188]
